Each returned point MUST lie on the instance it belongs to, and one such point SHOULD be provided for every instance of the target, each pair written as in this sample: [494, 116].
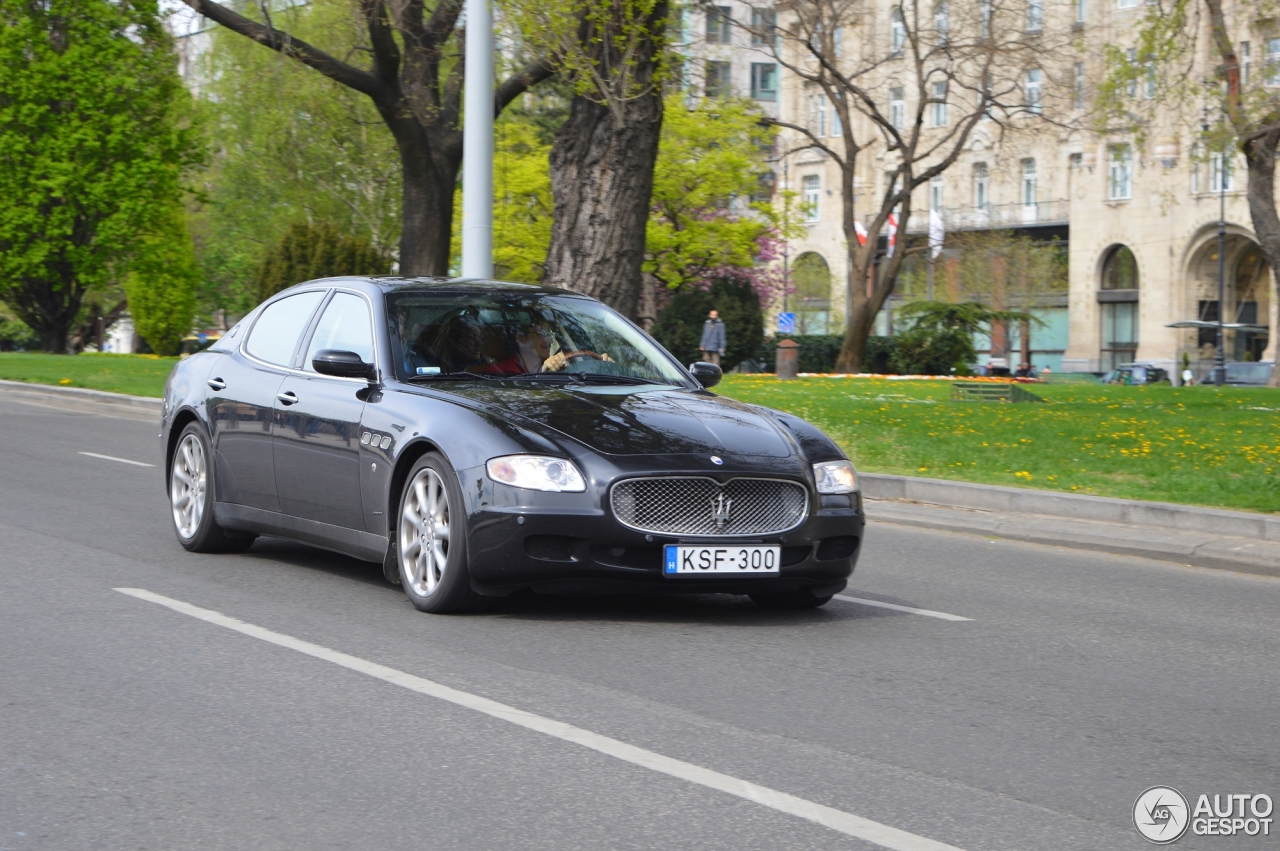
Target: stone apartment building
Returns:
[1139, 221]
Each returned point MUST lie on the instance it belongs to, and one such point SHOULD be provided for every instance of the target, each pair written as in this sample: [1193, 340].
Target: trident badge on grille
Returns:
[720, 510]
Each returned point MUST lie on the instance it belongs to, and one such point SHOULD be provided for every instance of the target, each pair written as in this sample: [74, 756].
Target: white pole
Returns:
[477, 144]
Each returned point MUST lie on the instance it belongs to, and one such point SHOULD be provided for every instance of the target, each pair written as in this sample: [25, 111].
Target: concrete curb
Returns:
[1215, 521]
[98, 402]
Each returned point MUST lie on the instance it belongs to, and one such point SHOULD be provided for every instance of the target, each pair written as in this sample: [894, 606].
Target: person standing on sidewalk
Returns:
[713, 340]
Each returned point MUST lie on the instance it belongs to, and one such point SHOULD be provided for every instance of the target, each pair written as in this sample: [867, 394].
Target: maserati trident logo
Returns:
[720, 510]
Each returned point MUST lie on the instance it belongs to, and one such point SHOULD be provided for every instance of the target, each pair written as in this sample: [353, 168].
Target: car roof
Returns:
[478, 286]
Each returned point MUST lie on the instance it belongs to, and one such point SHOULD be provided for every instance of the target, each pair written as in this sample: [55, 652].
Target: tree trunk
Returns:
[427, 217]
[1260, 155]
[602, 180]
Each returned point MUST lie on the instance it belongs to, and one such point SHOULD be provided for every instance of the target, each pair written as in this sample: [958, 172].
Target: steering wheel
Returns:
[569, 357]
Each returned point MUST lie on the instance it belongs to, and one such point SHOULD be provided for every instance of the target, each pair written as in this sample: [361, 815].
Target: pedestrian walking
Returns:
[713, 338]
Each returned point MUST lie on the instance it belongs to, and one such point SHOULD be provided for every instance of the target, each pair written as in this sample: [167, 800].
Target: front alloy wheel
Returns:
[424, 533]
[431, 539]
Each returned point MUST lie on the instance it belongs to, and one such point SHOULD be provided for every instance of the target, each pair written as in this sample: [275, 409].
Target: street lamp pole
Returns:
[477, 144]
[1220, 354]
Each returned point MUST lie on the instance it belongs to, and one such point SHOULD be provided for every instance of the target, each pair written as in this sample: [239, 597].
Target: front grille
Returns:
[701, 506]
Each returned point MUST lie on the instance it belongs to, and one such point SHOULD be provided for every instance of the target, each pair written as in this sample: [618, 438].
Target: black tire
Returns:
[202, 535]
[431, 585]
[801, 598]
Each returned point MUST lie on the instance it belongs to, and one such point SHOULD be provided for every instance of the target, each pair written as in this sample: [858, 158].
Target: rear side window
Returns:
[275, 335]
[345, 327]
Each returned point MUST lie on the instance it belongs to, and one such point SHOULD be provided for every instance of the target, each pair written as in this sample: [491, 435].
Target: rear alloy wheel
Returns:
[191, 498]
[431, 540]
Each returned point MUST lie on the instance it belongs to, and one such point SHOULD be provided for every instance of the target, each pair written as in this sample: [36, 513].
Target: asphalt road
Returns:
[1079, 681]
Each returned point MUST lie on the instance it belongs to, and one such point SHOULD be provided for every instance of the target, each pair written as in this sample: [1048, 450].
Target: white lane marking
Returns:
[838, 820]
[929, 613]
[113, 458]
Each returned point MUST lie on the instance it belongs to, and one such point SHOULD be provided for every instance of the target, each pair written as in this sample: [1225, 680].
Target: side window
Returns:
[345, 327]
[275, 334]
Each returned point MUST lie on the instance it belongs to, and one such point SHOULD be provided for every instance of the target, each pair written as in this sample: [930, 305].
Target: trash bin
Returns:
[788, 359]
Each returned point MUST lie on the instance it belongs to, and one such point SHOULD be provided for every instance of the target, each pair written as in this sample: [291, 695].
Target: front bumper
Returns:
[551, 544]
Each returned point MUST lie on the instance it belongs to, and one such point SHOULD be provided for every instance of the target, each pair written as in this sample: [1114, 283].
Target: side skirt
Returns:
[353, 542]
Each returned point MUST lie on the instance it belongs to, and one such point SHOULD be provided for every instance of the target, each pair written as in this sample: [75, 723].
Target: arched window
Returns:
[811, 278]
[942, 22]
[897, 30]
[1120, 269]
[1119, 302]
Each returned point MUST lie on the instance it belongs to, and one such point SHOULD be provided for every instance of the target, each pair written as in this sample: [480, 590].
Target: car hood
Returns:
[638, 420]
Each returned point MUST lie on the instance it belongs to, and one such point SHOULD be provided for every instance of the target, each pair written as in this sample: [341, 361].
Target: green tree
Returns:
[161, 285]
[93, 142]
[940, 339]
[406, 62]
[290, 145]
[679, 325]
[703, 217]
[307, 252]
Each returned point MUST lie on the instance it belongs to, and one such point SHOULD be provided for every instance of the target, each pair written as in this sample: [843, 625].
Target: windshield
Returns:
[514, 334]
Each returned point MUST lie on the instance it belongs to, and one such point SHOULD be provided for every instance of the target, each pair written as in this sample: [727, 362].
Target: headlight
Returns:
[536, 472]
[835, 477]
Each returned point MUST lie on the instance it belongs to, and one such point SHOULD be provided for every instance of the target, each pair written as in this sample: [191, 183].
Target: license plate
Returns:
[734, 560]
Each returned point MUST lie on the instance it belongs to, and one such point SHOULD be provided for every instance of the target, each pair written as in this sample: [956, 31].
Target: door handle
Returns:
[216, 384]
[289, 398]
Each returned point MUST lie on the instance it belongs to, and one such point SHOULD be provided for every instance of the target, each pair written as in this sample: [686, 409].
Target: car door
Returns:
[242, 400]
[317, 422]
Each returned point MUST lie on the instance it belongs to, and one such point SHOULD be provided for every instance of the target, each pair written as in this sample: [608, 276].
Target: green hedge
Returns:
[818, 352]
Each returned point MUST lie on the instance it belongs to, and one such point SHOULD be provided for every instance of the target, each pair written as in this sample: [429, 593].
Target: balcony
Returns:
[996, 216]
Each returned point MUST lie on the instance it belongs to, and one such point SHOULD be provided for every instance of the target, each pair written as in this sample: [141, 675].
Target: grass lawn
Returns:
[1194, 445]
[137, 375]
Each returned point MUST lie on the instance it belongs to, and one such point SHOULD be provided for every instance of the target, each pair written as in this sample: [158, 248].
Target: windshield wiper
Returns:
[607, 378]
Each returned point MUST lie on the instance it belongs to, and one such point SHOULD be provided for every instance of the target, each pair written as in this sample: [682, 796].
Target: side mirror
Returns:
[708, 374]
[342, 364]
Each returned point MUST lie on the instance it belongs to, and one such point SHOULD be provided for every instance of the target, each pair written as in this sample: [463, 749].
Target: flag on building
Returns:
[937, 233]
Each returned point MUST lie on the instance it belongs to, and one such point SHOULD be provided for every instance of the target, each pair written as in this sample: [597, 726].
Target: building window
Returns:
[981, 187]
[764, 27]
[1246, 60]
[935, 193]
[837, 42]
[1028, 183]
[897, 30]
[1131, 56]
[1119, 333]
[812, 197]
[1149, 78]
[719, 20]
[719, 79]
[1273, 62]
[764, 81]
[1080, 11]
[1077, 90]
[1127, 4]
[940, 104]
[942, 22]
[897, 108]
[1120, 269]
[1221, 178]
[1120, 173]
[835, 119]
[1035, 91]
[1035, 16]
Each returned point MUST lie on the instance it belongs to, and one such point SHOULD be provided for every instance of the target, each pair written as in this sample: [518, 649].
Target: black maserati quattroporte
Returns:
[480, 438]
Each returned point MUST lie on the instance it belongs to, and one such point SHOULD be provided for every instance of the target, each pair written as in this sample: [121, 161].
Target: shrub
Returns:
[307, 252]
[679, 325]
[933, 351]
